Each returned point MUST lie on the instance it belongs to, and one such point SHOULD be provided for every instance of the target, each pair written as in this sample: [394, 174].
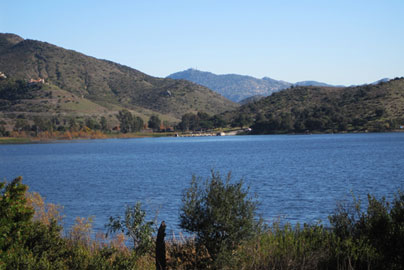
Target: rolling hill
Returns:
[373, 107]
[86, 85]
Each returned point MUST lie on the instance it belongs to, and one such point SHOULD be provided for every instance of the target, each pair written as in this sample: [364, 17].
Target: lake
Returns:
[298, 178]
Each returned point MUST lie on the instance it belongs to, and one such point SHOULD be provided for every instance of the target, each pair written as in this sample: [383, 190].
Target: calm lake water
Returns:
[297, 177]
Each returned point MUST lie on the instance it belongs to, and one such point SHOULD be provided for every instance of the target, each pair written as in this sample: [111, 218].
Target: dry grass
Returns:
[44, 212]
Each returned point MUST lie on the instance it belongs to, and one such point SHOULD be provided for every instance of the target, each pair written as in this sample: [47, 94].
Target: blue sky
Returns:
[338, 42]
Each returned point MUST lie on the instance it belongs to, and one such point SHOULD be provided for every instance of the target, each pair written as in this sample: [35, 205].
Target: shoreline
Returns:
[38, 140]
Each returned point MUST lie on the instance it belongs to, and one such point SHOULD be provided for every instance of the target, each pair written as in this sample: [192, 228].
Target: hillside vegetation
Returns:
[102, 84]
[42, 85]
[364, 108]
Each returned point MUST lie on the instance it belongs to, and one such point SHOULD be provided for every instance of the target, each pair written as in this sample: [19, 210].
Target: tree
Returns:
[103, 123]
[15, 215]
[21, 125]
[286, 123]
[200, 121]
[54, 122]
[93, 124]
[134, 226]
[137, 124]
[73, 125]
[41, 124]
[314, 124]
[219, 212]
[242, 120]
[154, 122]
[205, 121]
[3, 131]
[218, 122]
[126, 120]
[189, 121]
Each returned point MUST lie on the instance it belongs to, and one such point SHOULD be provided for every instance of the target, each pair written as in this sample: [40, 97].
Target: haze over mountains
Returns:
[101, 85]
[239, 87]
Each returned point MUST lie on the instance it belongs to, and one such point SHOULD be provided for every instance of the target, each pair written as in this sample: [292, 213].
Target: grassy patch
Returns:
[11, 140]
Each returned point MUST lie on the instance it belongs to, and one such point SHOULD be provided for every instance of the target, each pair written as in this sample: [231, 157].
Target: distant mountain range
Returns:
[232, 86]
[381, 80]
[239, 88]
[315, 83]
[97, 86]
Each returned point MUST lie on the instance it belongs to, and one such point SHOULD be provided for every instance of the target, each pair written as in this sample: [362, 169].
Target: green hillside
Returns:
[326, 109]
[95, 85]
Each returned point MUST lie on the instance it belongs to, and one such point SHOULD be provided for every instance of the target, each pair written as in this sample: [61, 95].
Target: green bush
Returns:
[135, 227]
[371, 238]
[220, 213]
[24, 243]
[27, 244]
[286, 247]
[15, 215]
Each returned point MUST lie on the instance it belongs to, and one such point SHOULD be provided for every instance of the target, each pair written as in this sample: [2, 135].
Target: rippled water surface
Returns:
[297, 177]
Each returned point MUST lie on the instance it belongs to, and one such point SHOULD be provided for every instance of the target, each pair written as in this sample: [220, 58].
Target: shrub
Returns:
[15, 215]
[24, 243]
[45, 213]
[134, 226]
[374, 237]
[185, 254]
[30, 237]
[286, 247]
[220, 213]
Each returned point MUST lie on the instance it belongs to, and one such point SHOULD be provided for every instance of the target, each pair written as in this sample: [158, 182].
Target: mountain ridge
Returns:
[232, 86]
[104, 82]
[315, 83]
[240, 87]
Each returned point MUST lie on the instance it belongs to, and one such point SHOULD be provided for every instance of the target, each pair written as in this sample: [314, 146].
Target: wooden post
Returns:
[161, 248]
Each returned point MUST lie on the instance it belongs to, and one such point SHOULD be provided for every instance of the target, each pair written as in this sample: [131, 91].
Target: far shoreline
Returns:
[37, 140]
